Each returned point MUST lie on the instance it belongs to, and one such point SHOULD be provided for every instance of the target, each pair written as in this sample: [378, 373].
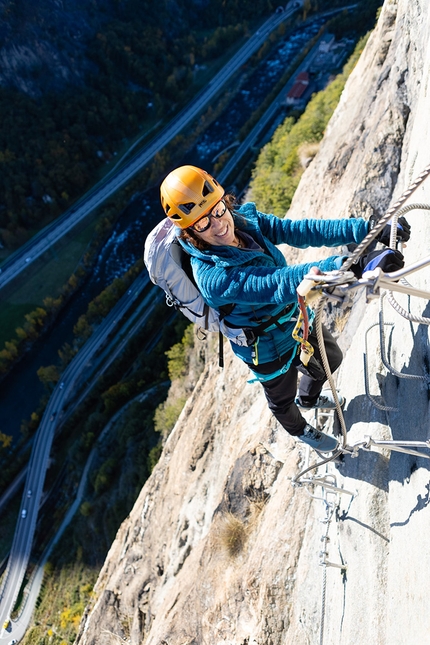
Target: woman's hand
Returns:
[403, 232]
[387, 260]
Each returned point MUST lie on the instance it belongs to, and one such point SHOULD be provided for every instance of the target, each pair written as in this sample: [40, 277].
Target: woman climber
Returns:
[235, 262]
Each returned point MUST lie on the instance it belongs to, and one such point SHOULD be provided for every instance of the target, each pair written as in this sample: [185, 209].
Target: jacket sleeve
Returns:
[255, 285]
[312, 232]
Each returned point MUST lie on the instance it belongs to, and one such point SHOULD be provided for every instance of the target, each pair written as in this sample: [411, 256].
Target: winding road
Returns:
[45, 239]
[39, 460]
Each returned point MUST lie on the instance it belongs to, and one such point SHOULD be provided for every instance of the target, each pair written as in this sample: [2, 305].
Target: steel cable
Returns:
[391, 299]
[391, 213]
[323, 599]
[385, 218]
[321, 346]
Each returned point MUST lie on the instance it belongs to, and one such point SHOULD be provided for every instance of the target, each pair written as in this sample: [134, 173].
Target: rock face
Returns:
[220, 547]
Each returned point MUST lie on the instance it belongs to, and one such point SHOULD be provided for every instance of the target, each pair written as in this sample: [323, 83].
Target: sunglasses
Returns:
[204, 222]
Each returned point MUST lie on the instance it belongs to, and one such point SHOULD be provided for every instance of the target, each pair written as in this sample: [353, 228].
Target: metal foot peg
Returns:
[408, 447]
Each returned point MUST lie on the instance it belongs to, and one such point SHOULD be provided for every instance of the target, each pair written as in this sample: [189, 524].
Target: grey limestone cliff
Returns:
[220, 547]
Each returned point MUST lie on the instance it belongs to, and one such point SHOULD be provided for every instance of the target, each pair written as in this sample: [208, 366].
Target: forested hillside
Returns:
[65, 112]
[141, 64]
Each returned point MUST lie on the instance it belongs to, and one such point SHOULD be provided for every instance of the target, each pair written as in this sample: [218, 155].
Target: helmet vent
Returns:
[186, 208]
[176, 216]
[207, 188]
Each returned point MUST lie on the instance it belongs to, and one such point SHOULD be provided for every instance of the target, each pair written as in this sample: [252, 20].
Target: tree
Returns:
[178, 353]
[105, 475]
[86, 509]
[5, 440]
[49, 376]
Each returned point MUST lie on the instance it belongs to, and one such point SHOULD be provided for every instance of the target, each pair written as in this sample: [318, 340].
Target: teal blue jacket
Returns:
[262, 284]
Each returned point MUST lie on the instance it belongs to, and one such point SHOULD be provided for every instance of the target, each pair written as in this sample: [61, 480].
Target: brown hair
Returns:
[189, 235]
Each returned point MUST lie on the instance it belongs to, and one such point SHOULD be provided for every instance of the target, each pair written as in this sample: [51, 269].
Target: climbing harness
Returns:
[268, 324]
[262, 378]
[264, 326]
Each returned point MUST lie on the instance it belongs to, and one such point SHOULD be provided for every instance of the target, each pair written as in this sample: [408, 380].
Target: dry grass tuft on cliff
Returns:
[231, 534]
[114, 639]
[307, 152]
[258, 500]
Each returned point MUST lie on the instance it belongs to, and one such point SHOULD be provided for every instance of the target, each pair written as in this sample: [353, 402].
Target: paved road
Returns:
[106, 188]
[39, 460]
[32, 591]
[271, 111]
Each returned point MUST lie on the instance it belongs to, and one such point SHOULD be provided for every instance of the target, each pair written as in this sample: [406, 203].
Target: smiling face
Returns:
[221, 229]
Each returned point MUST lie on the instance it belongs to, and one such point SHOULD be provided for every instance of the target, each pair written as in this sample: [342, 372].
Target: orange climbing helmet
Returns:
[188, 193]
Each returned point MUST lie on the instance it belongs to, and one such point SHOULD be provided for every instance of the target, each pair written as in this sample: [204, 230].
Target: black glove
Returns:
[387, 260]
[403, 231]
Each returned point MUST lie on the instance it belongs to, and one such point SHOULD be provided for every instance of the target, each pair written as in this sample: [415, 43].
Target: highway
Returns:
[39, 460]
[45, 239]
[33, 587]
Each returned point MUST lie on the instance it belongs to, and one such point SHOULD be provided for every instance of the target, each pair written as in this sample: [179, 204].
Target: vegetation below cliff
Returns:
[167, 577]
[138, 63]
[281, 162]
[112, 493]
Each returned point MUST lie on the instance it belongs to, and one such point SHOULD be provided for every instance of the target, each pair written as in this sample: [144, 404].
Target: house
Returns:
[326, 43]
[295, 95]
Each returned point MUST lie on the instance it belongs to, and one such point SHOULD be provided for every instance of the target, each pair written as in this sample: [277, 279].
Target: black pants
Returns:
[281, 391]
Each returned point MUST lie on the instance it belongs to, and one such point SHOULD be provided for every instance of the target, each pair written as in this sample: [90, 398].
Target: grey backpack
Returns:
[167, 264]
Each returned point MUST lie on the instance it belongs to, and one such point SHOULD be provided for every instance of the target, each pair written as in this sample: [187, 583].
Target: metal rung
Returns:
[398, 446]
[326, 563]
[322, 481]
